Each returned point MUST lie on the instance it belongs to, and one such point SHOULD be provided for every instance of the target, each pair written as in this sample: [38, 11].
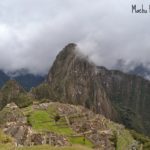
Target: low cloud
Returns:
[32, 32]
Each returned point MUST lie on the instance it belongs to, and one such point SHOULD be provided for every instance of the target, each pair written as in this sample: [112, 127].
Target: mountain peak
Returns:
[73, 79]
[70, 46]
[68, 51]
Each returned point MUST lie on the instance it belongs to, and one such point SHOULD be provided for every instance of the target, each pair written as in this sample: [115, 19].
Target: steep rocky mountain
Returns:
[27, 80]
[130, 96]
[73, 79]
[116, 95]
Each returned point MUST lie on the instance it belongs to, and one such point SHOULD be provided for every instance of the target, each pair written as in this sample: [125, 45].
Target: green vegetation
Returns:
[130, 96]
[80, 140]
[146, 146]
[27, 110]
[13, 92]
[121, 136]
[6, 142]
[43, 91]
[8, 146]
[124, 139]
[144, 140]
[129, 118]
[41, 121]
[4, 138]
[23, 100]
[45, 121]
[7, 114]
[47, 147]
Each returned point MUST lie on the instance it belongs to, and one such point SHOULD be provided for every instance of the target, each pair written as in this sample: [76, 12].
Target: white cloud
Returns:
[33, 31]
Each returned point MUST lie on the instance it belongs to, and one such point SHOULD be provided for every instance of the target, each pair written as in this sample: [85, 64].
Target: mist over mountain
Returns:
[141, 71]
[26, 79]
[135, 68]
[29, 80]
[33, 32]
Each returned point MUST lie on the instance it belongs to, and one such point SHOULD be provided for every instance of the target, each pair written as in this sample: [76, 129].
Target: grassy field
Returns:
[80, 140]
[47, 147]
[43, 121]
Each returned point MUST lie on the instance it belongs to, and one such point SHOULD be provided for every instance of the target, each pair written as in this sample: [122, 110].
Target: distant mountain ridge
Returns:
[142, 71]
[3, 78]
[27, 80]
[135, 68]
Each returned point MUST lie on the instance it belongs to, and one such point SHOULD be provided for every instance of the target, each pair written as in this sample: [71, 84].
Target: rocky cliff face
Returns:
[74, 79]
[130, 95]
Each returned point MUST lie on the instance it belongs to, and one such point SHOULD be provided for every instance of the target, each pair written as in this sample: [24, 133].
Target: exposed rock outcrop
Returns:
[25, 136]
[73, 79]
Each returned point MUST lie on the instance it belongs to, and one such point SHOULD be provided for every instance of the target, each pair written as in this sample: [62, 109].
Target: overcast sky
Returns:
[32, 32]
